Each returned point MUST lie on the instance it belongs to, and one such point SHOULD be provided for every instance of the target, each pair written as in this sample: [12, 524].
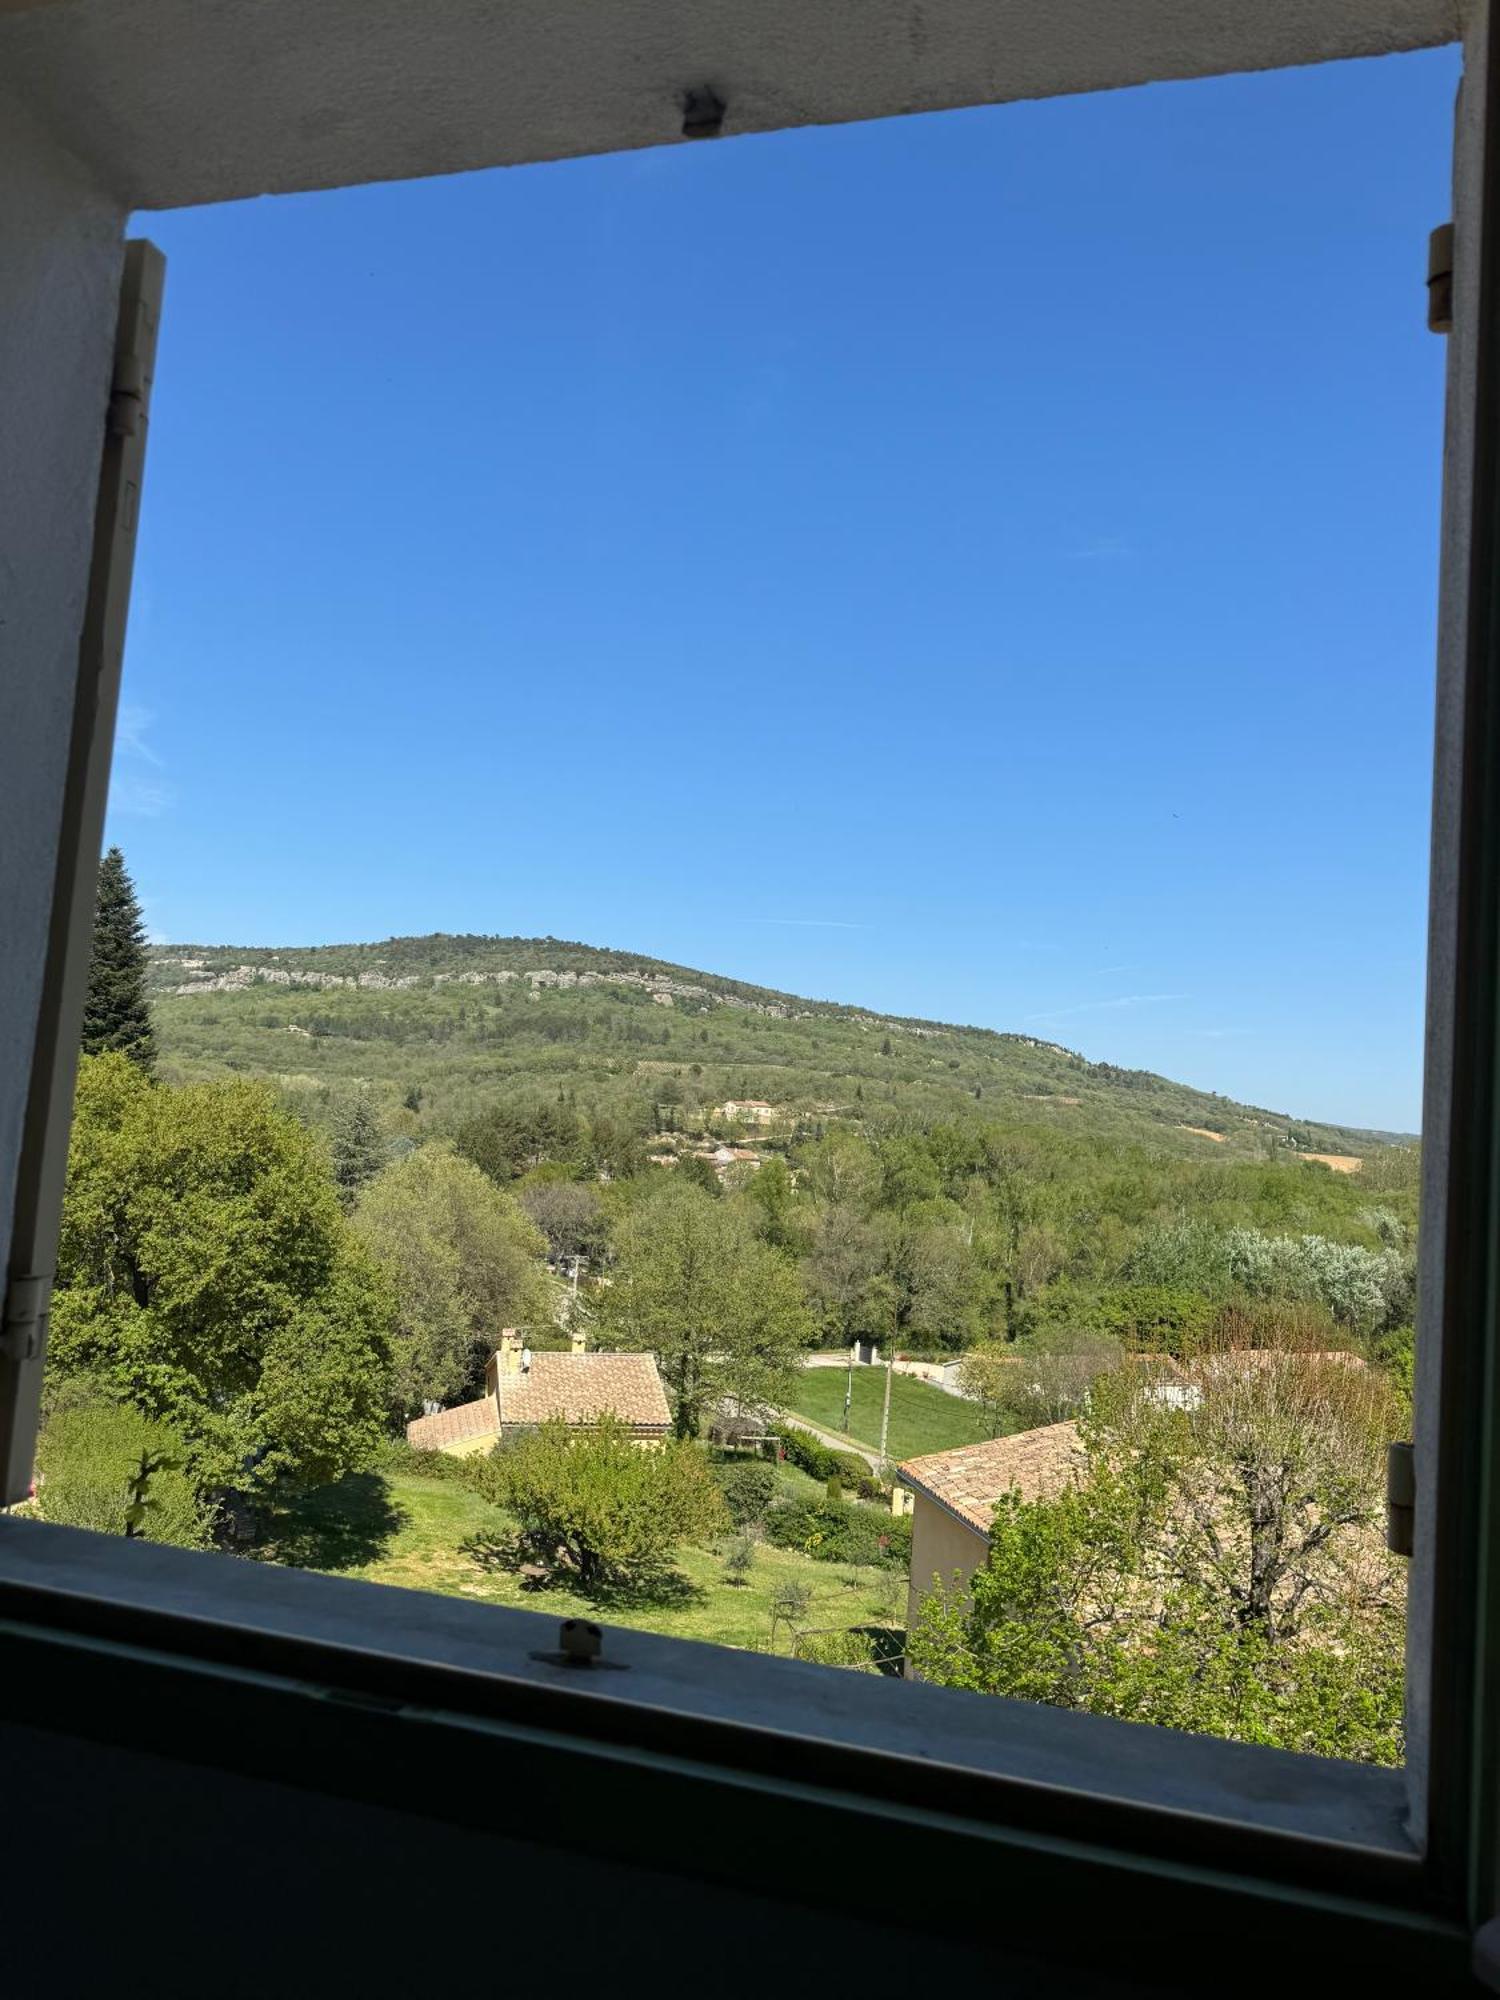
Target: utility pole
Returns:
[885, 1414]
[849, 1385]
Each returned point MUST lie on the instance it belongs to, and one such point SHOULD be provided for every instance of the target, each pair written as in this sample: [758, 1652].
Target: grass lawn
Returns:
[410, 1531]
[922, 1418]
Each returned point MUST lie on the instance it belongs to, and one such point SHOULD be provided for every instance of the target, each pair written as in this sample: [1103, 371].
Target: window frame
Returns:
[1083, 1795]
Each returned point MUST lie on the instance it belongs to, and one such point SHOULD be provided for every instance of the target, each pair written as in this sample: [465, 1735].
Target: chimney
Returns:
[508, 1353]
[578, 1340]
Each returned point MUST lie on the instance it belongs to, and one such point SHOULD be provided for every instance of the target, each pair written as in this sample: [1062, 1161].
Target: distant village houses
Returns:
[746, 1111]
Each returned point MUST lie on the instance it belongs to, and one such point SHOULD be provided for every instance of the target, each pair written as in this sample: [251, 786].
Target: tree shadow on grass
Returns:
[887, 1648]
[344, 1526]
[658, 1589]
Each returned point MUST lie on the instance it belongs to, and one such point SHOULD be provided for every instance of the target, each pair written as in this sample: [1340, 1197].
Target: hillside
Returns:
[451, 1024]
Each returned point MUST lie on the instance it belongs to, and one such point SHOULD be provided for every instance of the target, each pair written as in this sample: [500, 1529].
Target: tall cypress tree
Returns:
[116, 1015]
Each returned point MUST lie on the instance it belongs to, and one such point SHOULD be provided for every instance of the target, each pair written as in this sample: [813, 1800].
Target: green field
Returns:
[922, 1418]
[412, 1531]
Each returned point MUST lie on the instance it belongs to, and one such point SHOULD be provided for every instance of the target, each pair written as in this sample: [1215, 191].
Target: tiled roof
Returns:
[465, 1420]
[581, 1387]
[968, 1482]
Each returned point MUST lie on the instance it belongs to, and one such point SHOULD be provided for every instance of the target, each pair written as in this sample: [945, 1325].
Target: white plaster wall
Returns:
[60, 255]
[177, 101]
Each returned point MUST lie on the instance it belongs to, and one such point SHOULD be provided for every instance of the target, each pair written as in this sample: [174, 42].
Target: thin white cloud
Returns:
[812, 923]
[138, 797]
[130, 735]
[1105, 1006]
[135, 786]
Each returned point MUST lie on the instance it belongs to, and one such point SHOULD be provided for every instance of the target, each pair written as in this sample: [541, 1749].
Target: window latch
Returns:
[1440, 279]
[26, 1303]
[1400, 1498]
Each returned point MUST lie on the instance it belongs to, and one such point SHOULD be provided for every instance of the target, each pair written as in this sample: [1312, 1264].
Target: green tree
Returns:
[721, 1310]
[770, 1189]
[694, 1171]
[207, 1276]
[91, 1449]
[116, 1014]
[1218, 1567]
[515, 1137]
[612, 1510]
[569, 1214]
[462, 1261]
[357, 1146]
[844, 1273]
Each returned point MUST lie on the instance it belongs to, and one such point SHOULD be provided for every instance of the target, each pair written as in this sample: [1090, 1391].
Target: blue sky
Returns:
[981, 566]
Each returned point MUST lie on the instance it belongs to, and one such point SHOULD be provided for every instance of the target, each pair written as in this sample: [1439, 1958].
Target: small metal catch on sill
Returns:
[580, 1643]
[1440, 279]
[1400, 1498]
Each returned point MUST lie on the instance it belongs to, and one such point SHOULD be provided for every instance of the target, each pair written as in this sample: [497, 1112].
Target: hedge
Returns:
[822, 1463]
[837, 1531]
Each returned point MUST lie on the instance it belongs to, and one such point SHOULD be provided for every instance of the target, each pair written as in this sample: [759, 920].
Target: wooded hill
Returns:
[443, 1026]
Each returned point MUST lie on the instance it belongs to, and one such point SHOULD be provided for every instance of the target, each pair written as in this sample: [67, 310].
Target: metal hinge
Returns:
[1400, 1498]
[1440, 279]
[26, 1302]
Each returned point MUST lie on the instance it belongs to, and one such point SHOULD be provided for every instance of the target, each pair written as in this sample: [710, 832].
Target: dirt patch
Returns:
[1342, 1163]
[1202, 1132]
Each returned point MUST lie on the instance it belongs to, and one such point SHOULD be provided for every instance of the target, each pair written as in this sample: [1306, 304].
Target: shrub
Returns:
[748, 1489]
[838, 1649]
[819, 1461]
[835, 1531]
[398, 1457]
[598, 1504]
[739, 1558]
[87, 1458]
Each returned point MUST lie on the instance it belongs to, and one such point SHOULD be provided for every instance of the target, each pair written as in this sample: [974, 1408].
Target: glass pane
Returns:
[745, 768]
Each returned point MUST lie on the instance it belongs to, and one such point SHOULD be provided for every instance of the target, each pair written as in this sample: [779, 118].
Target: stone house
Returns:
[522, 1390]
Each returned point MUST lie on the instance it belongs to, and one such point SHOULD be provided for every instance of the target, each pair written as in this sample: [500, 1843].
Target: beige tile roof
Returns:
[577, 1387]
[581, 1387]
[1036, 1464]
[465, 1420]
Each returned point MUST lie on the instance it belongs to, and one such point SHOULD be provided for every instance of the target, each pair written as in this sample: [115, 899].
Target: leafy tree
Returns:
[844, 1273]
[462, 1260]
[357, 1146]
[206, 1275]
[749, 1487]
[770, 1189]
[1219, 1568]
[1158, 1319]
[606, 1508]
[517, 1136]
[694, 1171]
[89, 1452]
[116, 1014]
[1027, 1383]
[569, 1214]
[722, 1311]
[938, 1289]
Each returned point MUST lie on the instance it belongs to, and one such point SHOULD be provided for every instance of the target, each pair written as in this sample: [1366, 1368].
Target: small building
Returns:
[522, 1390]
[748, 1111]
[955, 1494]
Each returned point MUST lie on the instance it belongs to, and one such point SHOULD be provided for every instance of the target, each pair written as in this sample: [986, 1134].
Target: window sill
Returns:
[417, 1698]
